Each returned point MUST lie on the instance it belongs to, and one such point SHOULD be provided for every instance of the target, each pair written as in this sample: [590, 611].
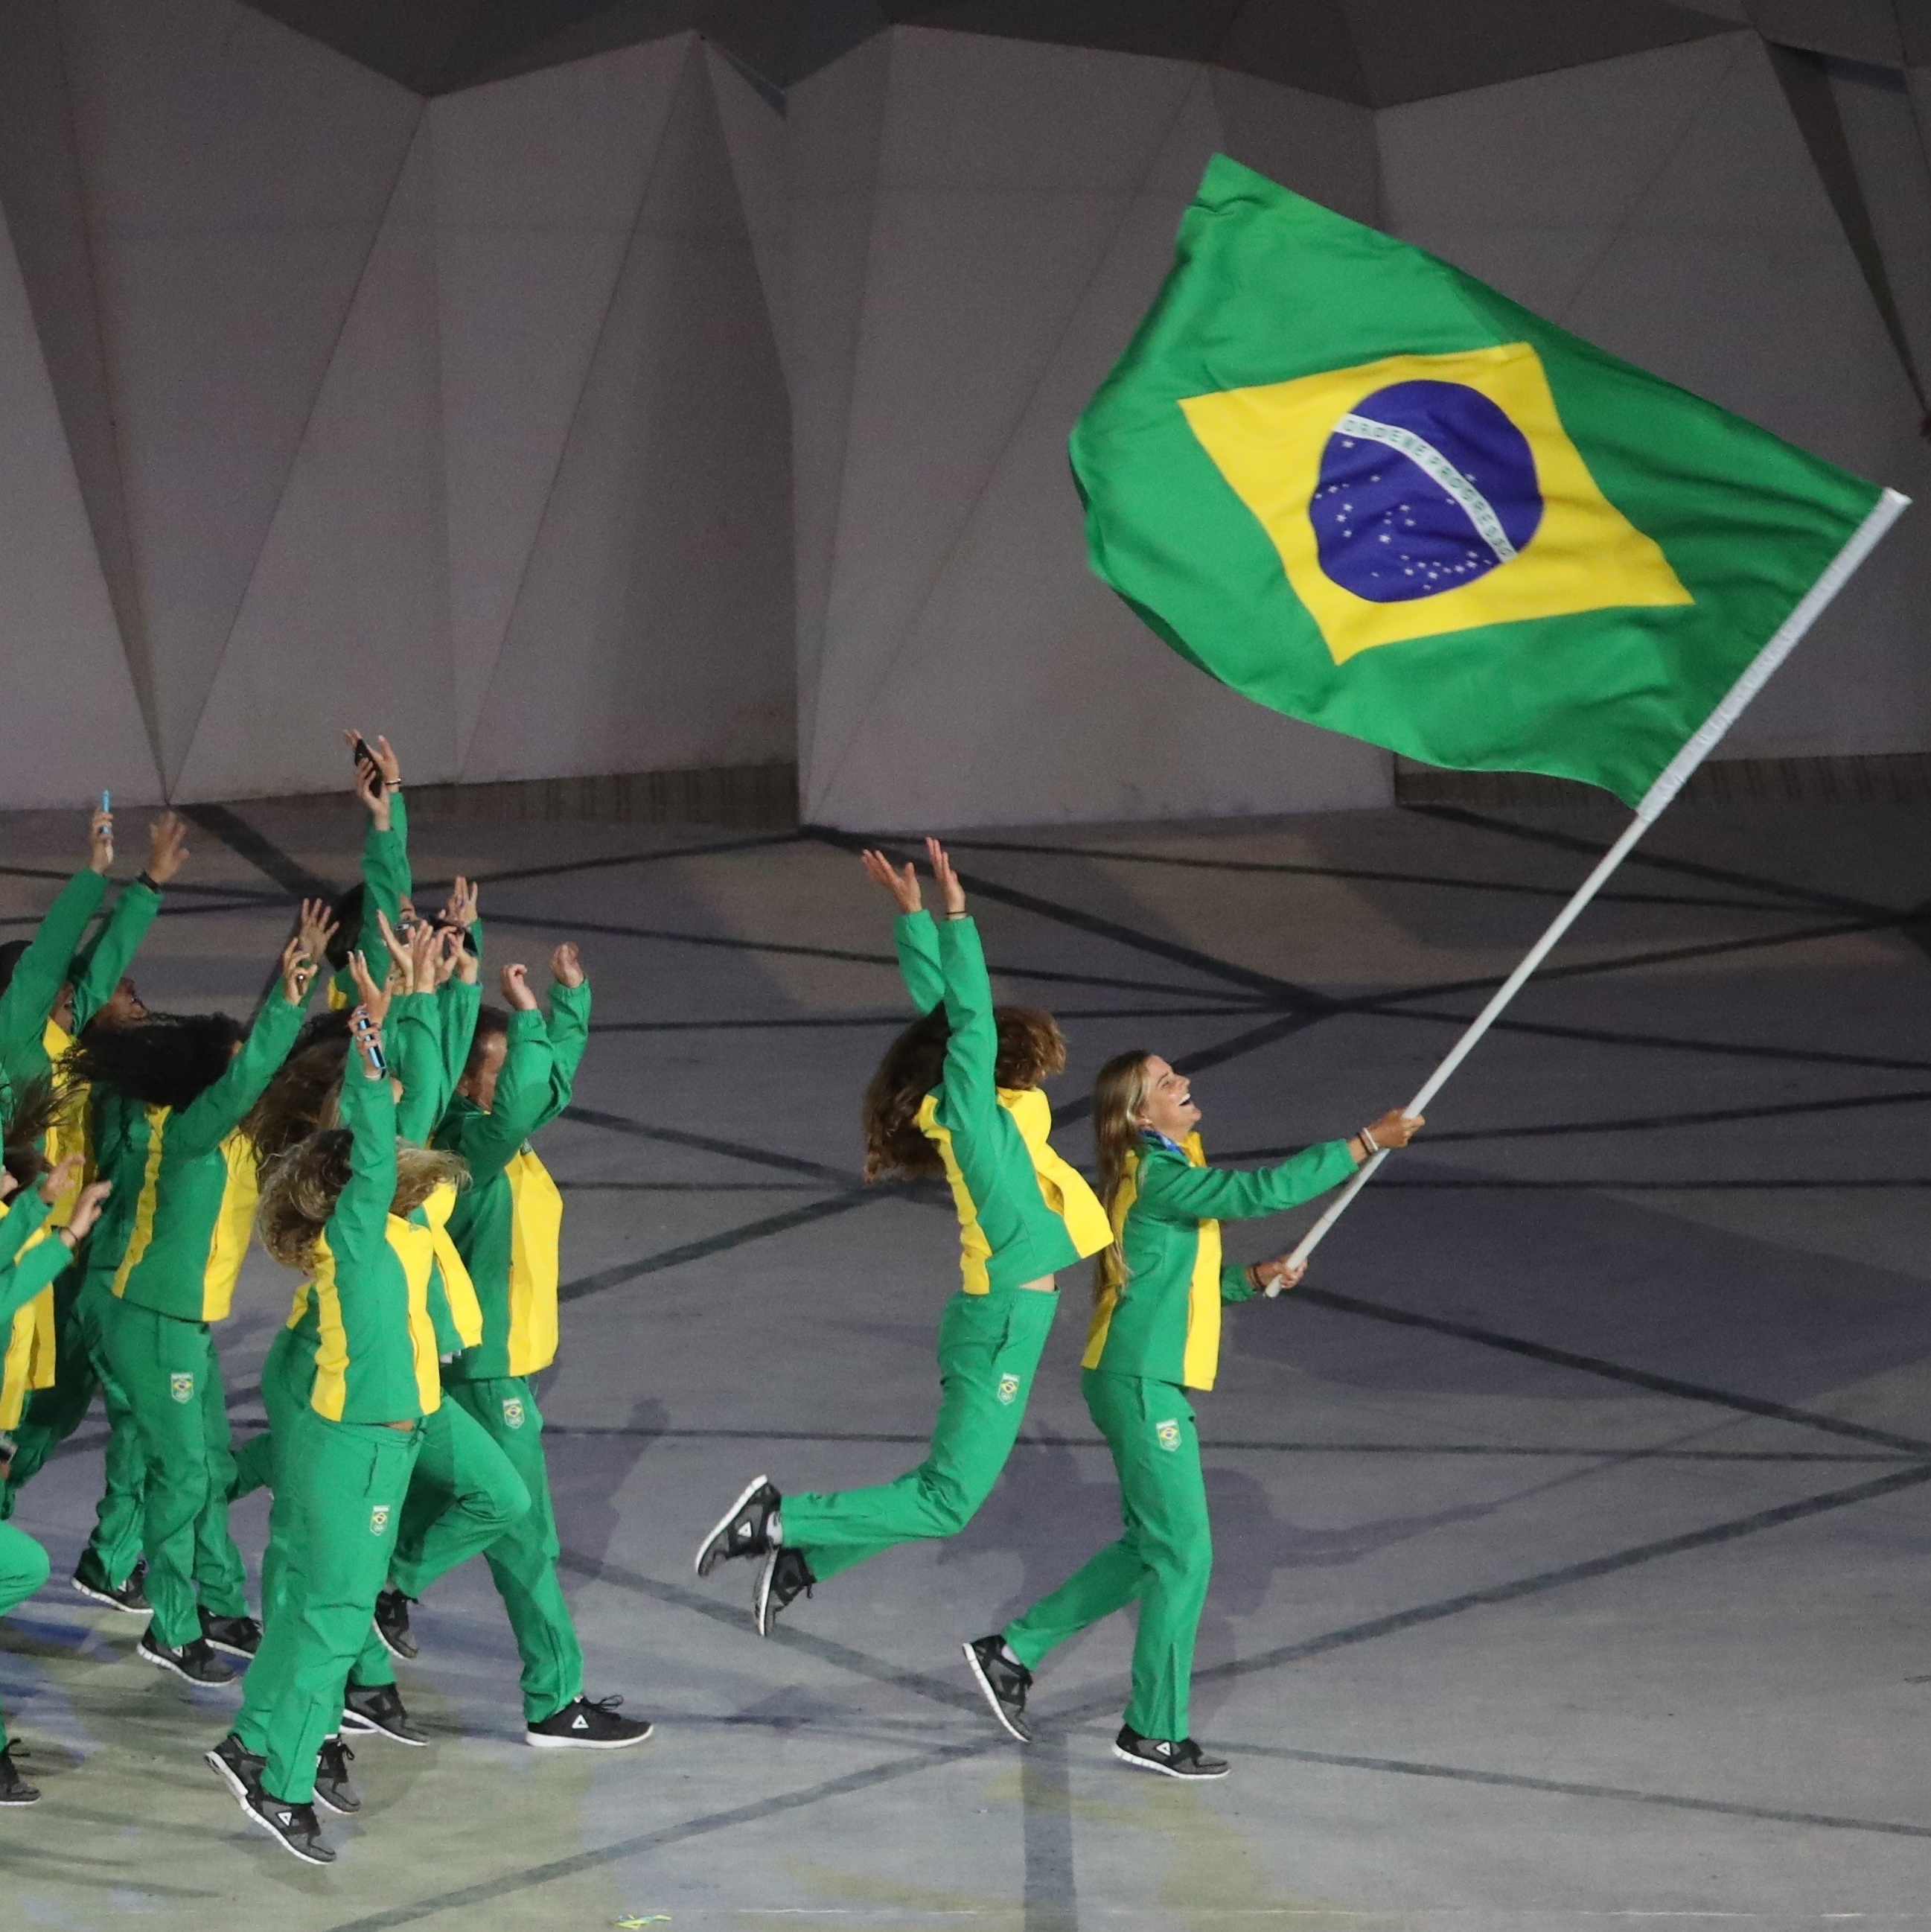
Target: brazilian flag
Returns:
[1365, 490]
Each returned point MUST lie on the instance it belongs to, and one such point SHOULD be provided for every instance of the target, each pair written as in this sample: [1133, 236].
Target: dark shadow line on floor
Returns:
[624, 1123]
[1561, 1788]
[621, 1272]
[1642, 1379]
[240, 837]
[1369, 873]
[1663, 1043]
[844, 955]
[1171, 950]
[1654, 861]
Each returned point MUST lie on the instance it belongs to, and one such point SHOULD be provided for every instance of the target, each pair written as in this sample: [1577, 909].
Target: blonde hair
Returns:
[1118, 1095]
[299, 1190]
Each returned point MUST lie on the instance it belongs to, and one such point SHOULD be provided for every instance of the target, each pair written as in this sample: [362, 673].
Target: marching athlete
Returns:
[958, 1094]
[1155, 1337]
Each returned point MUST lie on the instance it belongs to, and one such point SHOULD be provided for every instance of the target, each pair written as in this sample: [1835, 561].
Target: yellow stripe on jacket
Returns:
[415, 1248]
[1062, 1186]
[465, 1310]
[1201, 1362]
[29, 1361]
[536, 1232]
[234, 1219]
[141, 1235]
[67, 1133]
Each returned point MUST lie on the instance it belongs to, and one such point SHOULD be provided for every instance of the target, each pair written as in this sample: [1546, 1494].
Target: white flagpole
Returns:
[1884, 513]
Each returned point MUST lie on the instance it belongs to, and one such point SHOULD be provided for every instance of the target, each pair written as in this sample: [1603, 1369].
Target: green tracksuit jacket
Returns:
[507, 1220]
[191, 1174]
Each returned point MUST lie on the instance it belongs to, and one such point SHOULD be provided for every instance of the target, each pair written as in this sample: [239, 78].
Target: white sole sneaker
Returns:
[1169, 1771]
[992, 1697]
[723, 1522]
[544, 1742]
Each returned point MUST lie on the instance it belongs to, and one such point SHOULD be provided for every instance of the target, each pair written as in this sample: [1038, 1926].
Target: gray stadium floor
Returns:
[1574, 1536]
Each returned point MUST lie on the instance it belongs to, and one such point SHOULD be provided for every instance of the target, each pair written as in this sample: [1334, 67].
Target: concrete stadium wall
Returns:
[609, 419]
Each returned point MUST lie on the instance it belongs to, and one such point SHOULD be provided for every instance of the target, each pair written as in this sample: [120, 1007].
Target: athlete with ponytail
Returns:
[1155, 1337]
[957, 1095]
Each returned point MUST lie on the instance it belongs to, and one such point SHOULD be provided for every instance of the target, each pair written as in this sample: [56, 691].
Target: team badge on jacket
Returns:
[1008, 1389]
[181, 1388]
[512, 1411]
[1167, 1434]
[379, 1518]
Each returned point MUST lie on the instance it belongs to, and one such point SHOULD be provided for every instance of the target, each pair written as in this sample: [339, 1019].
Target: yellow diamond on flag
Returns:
[1422, 494]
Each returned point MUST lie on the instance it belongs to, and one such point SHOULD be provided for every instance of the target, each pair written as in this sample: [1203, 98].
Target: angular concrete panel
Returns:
[537, 183]
[757, 137]
[1322, 148]
[46, 213]
[1488, 180]
[653, 630]
[234, 174]
[346, 620]
[73, 724]
[1023, 688]
[832, 121]
[1005, 169]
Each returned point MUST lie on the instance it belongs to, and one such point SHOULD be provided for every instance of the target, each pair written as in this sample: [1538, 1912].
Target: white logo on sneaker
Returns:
[582, 1723]
[284, 1817]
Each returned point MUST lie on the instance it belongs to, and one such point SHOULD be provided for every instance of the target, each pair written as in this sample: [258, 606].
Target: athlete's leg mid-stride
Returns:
[1155, 1338]
[957, 1095]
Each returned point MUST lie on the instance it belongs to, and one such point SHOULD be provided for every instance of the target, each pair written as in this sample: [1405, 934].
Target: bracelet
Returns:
[145, 877]
[69, 1237]
[1369, 1142]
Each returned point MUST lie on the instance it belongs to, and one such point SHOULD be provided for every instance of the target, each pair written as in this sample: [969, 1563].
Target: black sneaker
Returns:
[378, 1707]
[392, 1624]
[785, 1576]
[331, 1778]
[91, 1580]
[1182, 1758]
[196, 1661]
[741, 1530]
[294, 1827]
[1004, 1682]
[14, 1789]
[588, 1724]
[239, 1636]
[237, 1767]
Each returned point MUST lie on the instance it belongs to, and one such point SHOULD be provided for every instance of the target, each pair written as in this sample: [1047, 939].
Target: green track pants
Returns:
[172, 1377]
[23, 1569]
[80, 1366]
[1165, 1559]
[989, 1350]
[345, 1484]
[523, 1558]
[463, 1492]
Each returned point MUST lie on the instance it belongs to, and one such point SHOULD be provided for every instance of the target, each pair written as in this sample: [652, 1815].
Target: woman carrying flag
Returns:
[1156, 1336]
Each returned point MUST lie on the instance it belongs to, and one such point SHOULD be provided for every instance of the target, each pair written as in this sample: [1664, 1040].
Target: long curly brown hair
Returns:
[1031, 1049]
[32, 1108]
[1119, 1093]
[301, 1187]
[303, 1097]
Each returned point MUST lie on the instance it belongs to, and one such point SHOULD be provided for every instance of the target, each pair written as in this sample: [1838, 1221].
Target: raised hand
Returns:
[101, 842]
[900, 881]
[57, 1179]
[459, 909]
[402, 975]
[167, 846]
[517, 995]
[373, 793]
[425, 957]
[947, 879]
[374, 998]
[566, 964]
[87, 1208]
[1395, 1129]
[315, 927]
[298, 972]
